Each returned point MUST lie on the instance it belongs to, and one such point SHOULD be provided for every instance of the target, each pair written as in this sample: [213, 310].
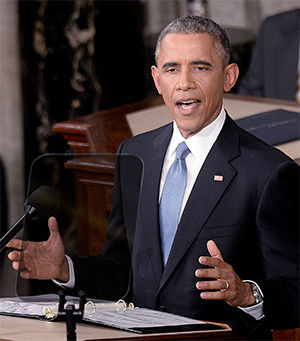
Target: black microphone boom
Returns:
[42, 203]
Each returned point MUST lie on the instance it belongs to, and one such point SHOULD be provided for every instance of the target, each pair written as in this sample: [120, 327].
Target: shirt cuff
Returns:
[71, 283]
[255, 310]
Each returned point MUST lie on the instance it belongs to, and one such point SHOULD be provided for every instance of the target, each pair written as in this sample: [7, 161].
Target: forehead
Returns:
[178, 47]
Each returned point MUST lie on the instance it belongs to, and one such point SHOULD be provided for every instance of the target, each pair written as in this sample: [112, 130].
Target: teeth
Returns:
[188, 102]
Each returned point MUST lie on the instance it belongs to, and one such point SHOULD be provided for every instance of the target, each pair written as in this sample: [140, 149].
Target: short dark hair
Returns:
[195, 24]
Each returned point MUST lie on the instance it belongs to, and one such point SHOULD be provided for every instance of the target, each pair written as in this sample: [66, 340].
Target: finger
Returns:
[211, 261]
[25, 274]
[210, 273]
[16, 244]
[214, 250]
[213, 295]
[53, 227]
[18, 265]
[14, 255]
[211, 285]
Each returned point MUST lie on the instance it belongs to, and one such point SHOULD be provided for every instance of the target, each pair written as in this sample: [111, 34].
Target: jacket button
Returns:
[162, 308]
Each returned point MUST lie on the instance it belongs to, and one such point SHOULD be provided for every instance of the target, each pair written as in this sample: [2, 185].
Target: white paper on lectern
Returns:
[138, 318]
[107, 313]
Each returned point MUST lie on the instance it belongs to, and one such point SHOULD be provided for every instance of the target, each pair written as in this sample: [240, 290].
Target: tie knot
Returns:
[182, 151]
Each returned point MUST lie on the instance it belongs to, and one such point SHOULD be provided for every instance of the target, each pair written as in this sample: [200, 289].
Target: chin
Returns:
[188, 131]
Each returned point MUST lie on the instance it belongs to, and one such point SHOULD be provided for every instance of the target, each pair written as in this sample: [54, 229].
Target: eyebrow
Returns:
[169, 64]
[194, 62]
[201, 62]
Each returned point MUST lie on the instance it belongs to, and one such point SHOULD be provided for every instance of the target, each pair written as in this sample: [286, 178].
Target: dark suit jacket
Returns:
[252, 215]
[274, 64]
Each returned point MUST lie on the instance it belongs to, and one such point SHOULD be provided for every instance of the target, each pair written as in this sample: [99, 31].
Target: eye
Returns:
[171, 70]
[200, 68]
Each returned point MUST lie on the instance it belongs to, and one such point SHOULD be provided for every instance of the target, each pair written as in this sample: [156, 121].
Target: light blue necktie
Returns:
[171, 199]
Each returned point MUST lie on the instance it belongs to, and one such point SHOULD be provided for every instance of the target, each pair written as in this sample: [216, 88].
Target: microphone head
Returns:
[45, 201]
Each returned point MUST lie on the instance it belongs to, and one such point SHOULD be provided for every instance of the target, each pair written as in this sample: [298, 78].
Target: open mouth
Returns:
[188, 103]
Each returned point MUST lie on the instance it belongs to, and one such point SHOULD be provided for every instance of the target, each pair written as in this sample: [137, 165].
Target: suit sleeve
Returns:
[278, 230]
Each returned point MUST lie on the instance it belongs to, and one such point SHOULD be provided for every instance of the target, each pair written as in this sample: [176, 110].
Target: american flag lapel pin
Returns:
[218, 178]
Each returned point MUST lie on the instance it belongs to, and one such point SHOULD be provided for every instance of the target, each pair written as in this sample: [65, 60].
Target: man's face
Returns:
[191, 78]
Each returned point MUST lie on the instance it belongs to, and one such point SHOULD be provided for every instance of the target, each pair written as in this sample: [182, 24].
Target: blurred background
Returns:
[64, 59]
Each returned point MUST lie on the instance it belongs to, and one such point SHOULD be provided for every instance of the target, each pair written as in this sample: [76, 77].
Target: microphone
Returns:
[42, 203]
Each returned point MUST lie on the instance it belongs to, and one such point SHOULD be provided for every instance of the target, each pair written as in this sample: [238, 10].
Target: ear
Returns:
[231, 73]
[155, 76]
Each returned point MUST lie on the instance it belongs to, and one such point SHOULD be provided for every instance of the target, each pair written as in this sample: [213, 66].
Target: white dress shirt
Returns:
[199, 145]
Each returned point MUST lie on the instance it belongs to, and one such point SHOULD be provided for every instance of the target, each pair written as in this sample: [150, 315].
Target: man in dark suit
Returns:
[234, 257]
[274, 65]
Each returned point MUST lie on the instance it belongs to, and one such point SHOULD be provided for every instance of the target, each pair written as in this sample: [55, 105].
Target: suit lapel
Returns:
[205, 195]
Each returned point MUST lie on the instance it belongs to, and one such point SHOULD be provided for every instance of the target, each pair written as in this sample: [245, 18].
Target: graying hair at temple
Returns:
[195, 24]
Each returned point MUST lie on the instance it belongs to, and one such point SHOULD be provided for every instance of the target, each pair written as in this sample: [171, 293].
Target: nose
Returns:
[185, 81]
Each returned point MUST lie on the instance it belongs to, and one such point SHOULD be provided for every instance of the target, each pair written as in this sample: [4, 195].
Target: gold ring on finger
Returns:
[227, 286]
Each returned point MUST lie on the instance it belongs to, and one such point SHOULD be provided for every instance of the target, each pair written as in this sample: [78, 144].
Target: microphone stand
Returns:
[71, 314]
[14, 230]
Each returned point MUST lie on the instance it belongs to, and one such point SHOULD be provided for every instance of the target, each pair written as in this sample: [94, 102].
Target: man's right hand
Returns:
[41, 260]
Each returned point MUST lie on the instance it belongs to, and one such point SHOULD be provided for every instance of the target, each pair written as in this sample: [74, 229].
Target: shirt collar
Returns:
[202, 141]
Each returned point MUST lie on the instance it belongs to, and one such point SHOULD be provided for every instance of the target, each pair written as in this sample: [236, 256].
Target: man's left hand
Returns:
[227, 286]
